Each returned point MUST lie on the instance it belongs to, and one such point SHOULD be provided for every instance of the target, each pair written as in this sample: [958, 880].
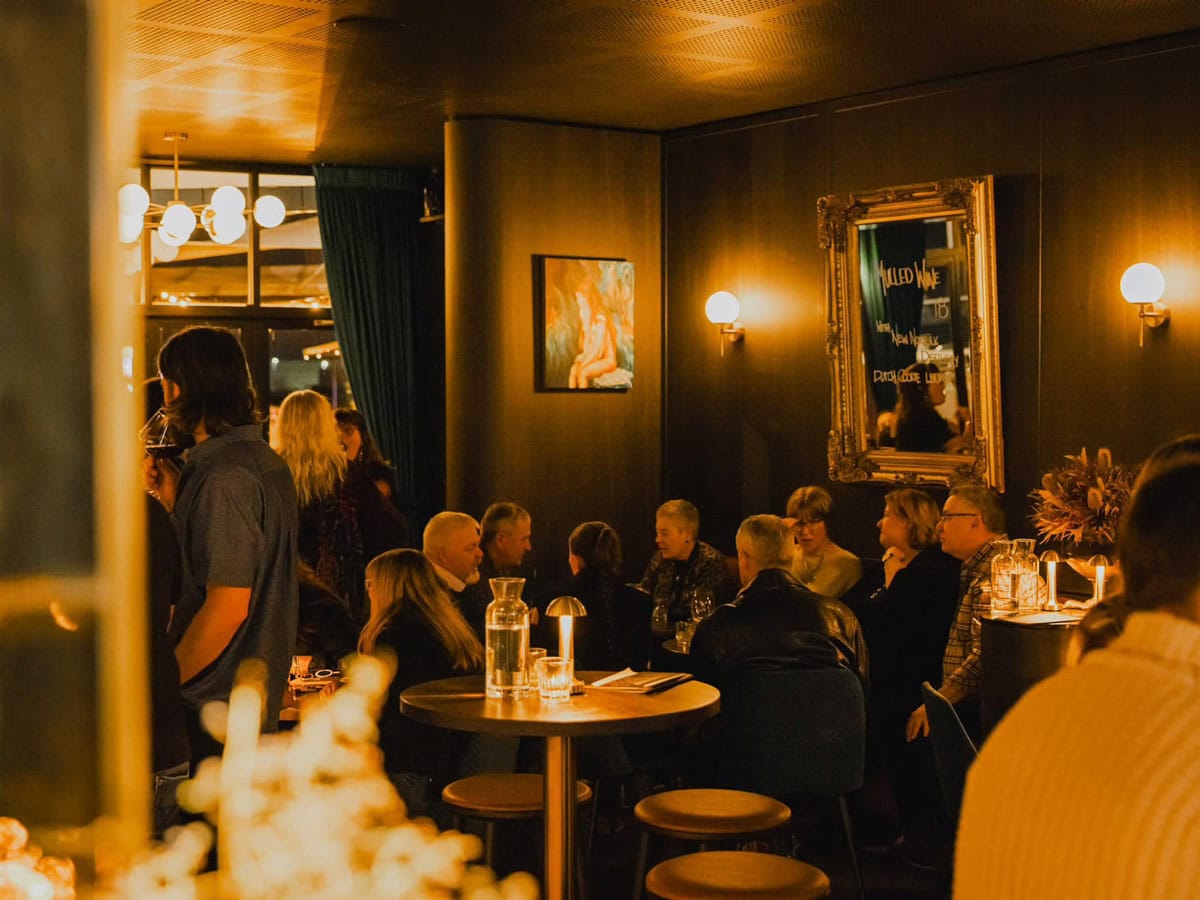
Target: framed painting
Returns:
[584, 323]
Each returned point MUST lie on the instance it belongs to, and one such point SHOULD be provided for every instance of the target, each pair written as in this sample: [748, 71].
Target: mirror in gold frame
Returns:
[912, 334]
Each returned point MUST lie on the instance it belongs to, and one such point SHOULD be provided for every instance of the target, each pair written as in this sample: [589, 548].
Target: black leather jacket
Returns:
[777, 623]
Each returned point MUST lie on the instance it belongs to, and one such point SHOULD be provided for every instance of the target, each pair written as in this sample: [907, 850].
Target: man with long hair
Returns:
[234, 508]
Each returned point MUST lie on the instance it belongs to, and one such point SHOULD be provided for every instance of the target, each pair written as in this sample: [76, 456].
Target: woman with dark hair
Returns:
[916, 425]
[361, 450]
[414, 621]
[616, 631]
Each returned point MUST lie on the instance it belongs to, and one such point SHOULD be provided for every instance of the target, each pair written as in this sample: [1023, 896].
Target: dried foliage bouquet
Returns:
[1081, 502]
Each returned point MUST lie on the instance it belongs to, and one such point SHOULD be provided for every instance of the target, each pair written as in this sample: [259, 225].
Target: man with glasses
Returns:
[971, 523]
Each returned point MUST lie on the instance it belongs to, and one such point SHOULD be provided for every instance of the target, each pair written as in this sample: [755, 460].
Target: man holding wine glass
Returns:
[235, 514]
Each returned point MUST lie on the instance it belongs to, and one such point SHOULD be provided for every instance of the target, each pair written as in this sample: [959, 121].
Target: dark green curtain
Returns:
[369, 221]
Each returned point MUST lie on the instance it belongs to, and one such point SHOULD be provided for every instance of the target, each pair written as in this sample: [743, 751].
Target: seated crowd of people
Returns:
[304, 549]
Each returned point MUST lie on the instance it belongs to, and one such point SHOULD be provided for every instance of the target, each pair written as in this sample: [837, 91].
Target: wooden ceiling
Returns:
[371, 82]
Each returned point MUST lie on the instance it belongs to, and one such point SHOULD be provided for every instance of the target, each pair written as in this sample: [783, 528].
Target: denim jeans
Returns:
[166, 802]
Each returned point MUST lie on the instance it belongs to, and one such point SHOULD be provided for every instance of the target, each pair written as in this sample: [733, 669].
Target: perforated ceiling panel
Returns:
[371, 81]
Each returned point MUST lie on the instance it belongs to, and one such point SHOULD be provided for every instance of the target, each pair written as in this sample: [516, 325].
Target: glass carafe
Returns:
[1025, 577]
[507, 639]
[1004, 568]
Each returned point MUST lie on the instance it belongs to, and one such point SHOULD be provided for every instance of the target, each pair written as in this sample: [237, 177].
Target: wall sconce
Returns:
[722, 309]
[1143, 284]
[566, 610]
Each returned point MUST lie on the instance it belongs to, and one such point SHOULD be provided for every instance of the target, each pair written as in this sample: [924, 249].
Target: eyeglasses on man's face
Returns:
[967, 515]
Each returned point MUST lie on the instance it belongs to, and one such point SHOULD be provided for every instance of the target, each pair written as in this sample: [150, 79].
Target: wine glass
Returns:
[702, 604]
[159, 437]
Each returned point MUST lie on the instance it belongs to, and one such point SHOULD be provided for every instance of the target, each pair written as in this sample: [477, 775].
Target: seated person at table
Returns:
[1105, 757]
[775, 622]
[451, 543]
[615, 633]
[326, 629]
[819, 564]
[683, 562]
[906, 623]
[414, 620]
[505, 534]
[968, 529]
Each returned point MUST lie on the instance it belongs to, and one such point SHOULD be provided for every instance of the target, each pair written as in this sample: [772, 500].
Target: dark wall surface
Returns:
[513, 190]
[1095, 168]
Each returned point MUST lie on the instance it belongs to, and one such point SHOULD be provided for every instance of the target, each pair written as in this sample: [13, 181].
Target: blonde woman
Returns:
[330, 538]
[414, 621]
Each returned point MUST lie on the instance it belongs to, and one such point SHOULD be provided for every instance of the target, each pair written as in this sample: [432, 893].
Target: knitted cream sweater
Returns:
[1090, 787]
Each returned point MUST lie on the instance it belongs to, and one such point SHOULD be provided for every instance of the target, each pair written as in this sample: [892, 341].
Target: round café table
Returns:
[460, 704]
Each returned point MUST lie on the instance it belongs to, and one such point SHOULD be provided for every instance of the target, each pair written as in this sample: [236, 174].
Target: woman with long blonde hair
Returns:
[330, 537]
[414, 621]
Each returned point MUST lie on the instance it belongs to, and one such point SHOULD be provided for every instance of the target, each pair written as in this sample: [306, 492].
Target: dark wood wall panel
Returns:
[514, 190]
[1122, 185]
[1095, 167]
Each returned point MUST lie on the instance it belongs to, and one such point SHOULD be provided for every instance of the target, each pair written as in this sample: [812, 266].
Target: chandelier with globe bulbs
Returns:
[223, 217]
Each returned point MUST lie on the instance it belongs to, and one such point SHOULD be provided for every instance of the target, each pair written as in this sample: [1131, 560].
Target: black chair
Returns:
[795, 734]
[953, 750]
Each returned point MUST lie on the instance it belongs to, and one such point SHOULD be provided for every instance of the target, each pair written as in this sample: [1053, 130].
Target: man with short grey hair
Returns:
[775, 621]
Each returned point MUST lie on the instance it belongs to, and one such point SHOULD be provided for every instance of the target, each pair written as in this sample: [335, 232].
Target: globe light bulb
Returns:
[228, 199]
[160, 250]
[178, 221]
[129, 228]
[169, 238]
[269, 211]
[722, 308]
[227, 227]
[1142, 283]
[132, 200]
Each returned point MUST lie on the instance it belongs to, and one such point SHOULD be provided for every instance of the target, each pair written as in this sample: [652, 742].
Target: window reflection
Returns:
[290, 263]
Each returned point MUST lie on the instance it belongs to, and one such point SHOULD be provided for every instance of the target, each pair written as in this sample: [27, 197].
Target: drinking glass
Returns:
[702, 604]
[555, 675]
[531, 660]
[159, 437]
[683, 635]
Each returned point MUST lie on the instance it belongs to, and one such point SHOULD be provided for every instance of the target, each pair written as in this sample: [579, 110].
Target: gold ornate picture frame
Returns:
[912, 334]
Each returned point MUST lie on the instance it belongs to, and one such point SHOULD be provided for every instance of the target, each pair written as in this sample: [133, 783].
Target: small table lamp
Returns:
[1051, 560]
[565, 609]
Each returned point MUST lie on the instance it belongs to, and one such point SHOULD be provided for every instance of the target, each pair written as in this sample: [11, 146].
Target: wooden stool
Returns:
[728, 874]
[491, 798]
[705, 815]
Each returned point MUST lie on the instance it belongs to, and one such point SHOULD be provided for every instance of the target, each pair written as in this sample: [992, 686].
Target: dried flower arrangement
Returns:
[1081, 502]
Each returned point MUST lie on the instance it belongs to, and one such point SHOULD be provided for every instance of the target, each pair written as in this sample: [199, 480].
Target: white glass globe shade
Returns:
[722, 308]
[269, 211]
[129, 228]
[178, 221]
[228, 199]
[132, 200]
[1142, 283]
[160, 250]
[227, 227]
[169, 238]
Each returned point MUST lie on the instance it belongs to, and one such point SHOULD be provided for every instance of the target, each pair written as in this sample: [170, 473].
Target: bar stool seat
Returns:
[741, 874]
[502, 796]
[704, 814]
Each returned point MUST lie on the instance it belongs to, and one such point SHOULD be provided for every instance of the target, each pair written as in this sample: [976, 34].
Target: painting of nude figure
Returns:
[585, 322]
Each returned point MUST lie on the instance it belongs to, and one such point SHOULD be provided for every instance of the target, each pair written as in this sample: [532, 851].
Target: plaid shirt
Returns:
[960, 663]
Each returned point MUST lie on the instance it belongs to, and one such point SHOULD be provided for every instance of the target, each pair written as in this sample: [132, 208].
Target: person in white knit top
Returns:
[1090, 786]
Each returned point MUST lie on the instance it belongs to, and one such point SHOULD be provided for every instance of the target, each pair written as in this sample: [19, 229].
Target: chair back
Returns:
[793, 733]
[953, 750]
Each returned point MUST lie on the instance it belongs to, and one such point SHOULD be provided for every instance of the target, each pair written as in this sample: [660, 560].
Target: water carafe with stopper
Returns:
[507, 639]
[1025, 575]
[1005, 579]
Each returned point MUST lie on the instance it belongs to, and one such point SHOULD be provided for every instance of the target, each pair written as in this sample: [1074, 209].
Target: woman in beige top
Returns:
[819, 564]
